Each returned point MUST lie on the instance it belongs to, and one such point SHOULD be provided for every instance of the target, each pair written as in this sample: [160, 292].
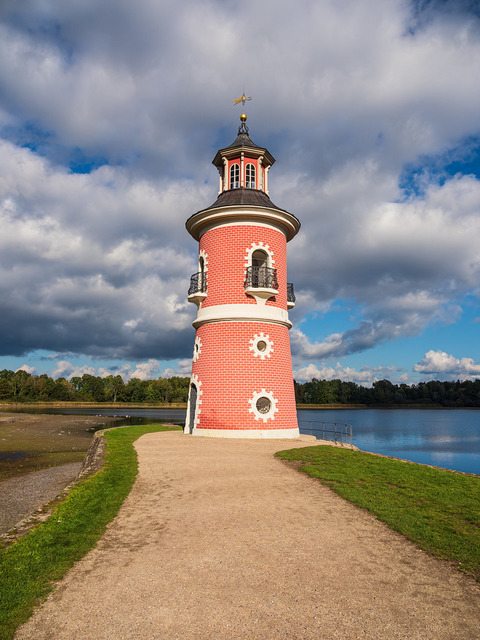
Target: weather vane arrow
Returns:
[243, 99]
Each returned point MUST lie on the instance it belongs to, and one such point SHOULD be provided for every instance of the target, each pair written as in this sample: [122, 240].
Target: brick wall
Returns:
[229, 374]
[226, 248]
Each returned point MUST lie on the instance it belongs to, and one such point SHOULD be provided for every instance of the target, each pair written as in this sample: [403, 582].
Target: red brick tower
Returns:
[242, 383]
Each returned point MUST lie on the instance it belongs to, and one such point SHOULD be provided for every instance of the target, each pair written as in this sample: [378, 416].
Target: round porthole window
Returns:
[261, 346]
[263, 405]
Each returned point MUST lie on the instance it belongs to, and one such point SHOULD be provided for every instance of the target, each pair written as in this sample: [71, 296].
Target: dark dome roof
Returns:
[242, 140]
[251, 197]
[228, 207]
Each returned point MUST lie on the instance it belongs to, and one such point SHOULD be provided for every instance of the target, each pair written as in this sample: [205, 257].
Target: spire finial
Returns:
[243, 127]
[243, 118]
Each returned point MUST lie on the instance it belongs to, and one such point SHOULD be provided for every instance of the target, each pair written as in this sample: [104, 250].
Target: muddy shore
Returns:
[32, 442]
[39, 456]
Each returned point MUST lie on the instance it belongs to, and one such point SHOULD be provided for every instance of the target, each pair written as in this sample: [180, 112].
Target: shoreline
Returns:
[5, 406]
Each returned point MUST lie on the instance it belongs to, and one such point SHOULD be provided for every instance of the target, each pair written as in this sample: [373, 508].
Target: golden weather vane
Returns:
[243, 99]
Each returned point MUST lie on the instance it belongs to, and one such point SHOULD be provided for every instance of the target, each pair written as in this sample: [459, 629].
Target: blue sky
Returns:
[110, 115]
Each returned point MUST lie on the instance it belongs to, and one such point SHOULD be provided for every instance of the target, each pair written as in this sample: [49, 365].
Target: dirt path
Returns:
[219, 540]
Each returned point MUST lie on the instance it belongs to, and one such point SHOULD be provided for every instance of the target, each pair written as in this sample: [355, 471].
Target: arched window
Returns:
[259, 268]
[234, 176]
[259, 258]
[260, 275]
[250, 176]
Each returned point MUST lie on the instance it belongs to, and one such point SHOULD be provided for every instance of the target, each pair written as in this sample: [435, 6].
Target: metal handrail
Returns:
[342, 433]
[198, 283]
[261, 278]
[290, 292]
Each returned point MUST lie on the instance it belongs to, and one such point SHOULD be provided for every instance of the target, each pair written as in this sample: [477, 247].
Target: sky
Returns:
[111, 113]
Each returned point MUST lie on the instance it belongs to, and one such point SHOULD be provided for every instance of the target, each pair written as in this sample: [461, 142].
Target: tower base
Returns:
[257, 434]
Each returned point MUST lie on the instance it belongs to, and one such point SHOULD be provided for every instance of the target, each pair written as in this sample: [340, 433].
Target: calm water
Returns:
[447, 438]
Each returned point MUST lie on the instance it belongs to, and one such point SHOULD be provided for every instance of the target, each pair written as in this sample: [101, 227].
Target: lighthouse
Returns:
[242, 383]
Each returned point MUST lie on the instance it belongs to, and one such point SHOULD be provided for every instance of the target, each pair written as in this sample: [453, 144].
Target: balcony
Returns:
[290, 296]
[197, 291]
[261, 283]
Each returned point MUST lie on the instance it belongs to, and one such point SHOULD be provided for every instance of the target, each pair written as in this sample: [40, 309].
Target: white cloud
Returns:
[66, 369]
[149, 370]
[365, 377]
[146, 370]
[78, 280]
[183, 370]
[27, 368]
[438, 362]
[404, 264]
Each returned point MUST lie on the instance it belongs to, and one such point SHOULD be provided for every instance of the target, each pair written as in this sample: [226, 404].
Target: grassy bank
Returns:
[439, 510]
[29, 567]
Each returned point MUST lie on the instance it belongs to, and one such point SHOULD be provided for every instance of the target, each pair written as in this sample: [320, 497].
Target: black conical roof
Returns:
[243, 205]
[243, 140]
[243, 196]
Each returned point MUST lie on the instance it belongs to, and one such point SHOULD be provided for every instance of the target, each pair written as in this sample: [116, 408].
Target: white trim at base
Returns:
[257, 434]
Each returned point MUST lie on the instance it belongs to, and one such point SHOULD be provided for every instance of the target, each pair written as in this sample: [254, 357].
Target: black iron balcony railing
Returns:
[290, 293]
[198, 283]
[261, 278]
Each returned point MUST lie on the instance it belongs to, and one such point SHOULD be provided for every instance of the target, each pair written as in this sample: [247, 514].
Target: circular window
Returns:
[261, 346]
[263, 405]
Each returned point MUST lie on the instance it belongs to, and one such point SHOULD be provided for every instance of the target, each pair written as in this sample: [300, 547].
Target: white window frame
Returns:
[234, 181]
[249, 172]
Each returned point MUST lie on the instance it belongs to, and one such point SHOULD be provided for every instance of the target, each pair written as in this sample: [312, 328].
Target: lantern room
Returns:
[243, 164]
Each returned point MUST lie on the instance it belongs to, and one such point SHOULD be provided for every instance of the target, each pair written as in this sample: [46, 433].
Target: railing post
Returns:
[341, 432]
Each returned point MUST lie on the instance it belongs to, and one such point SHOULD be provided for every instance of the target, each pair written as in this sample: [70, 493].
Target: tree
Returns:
[135, 390]
[20, 383]
[114, 388]
[92, 387]
[5, 388]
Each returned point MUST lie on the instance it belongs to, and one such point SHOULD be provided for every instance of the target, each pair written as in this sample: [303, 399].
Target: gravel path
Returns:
[20, 497]
[218, 539]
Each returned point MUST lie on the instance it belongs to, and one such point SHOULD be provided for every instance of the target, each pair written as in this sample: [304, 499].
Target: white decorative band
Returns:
[207, 219]
[259, 434]
[242, 312]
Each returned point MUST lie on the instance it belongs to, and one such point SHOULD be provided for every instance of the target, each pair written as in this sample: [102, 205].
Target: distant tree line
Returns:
[434, 392]
[20, 386]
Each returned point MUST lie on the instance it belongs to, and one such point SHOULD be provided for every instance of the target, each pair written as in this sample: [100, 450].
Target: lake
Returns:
[448, 438]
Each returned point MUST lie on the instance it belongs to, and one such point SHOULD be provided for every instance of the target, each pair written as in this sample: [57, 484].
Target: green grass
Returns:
[437, 509]
[29, 567]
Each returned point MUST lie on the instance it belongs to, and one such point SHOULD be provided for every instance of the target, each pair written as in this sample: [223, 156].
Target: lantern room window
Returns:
[250, 176]
[234, 176]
